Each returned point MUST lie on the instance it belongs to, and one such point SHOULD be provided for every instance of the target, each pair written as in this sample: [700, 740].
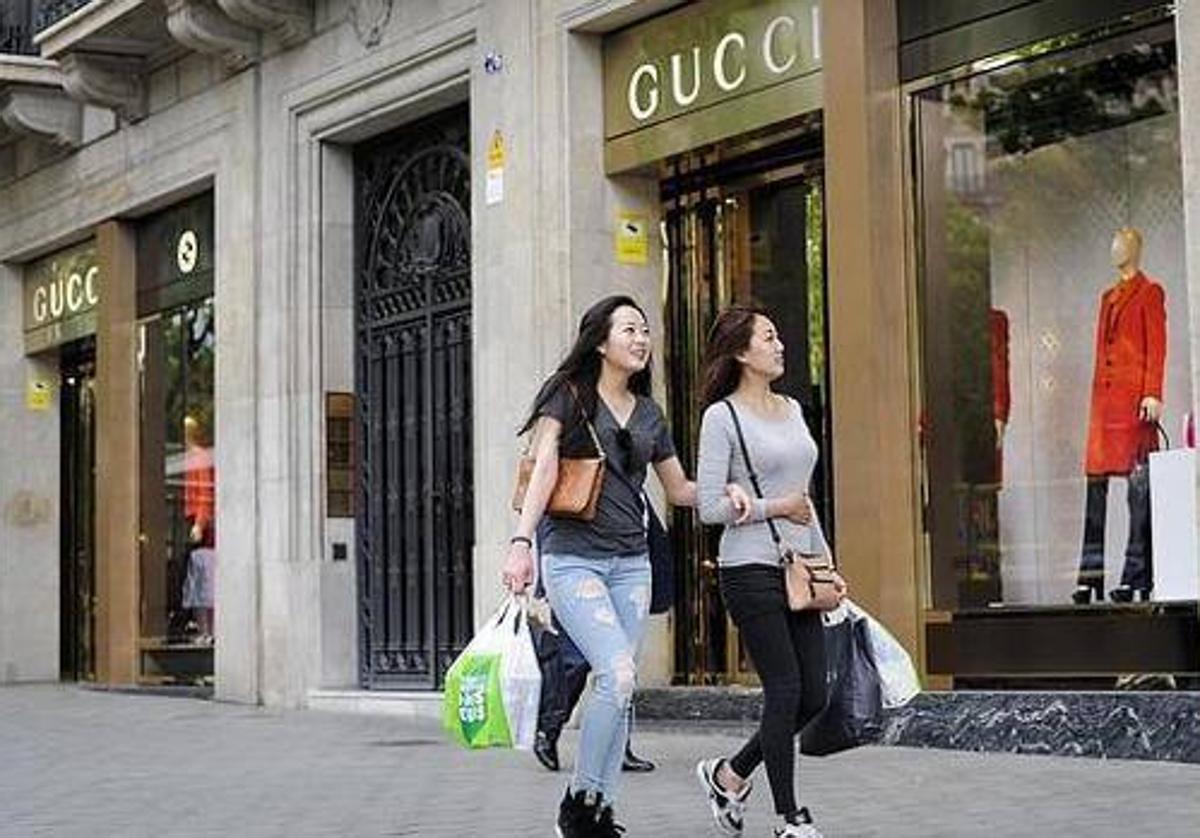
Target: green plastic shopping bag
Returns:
[492, 688]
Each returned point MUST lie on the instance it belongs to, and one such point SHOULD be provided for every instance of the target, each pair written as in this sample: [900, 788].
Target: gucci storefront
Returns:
[157, 581]
[62, 292]
[1033, 537]
[720, 103]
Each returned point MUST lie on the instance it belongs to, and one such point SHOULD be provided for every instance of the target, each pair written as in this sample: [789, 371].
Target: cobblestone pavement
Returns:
[79, 762]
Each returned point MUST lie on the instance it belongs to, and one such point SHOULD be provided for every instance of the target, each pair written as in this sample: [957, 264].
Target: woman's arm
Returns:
[680, 491]
[712, 472]
[718, 447]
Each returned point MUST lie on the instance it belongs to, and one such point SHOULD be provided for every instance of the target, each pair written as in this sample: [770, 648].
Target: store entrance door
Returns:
[77, 591]
[413, 322]
[743, 229]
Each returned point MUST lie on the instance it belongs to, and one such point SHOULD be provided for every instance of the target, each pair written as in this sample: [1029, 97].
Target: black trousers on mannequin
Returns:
[1137, 572]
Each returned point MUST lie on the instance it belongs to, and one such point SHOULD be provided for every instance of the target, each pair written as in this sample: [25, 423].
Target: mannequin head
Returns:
[1127, 249]
[193, 432]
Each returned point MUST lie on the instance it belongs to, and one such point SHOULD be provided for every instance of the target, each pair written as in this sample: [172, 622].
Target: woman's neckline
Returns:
[613, 414]
[783, 419]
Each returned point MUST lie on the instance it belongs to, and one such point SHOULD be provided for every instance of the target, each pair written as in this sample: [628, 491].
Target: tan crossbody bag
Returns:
[577, 489]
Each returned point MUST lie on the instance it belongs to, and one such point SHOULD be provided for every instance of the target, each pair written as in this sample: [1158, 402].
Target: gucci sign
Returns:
[64, 295]
[61, 295]
[704, 54]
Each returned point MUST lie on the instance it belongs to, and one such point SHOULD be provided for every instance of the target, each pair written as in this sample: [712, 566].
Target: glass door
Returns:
[178, 541]
[77, 589]
[740, 232]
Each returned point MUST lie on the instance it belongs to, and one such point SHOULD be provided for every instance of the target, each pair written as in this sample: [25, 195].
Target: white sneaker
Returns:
[804, 829]
[728, 809]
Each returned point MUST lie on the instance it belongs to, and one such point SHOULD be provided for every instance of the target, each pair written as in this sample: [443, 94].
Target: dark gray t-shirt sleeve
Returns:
[575, 441]
[664, 446]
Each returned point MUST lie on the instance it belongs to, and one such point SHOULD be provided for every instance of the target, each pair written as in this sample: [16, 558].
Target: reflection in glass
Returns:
[755, 240]
[178, 480]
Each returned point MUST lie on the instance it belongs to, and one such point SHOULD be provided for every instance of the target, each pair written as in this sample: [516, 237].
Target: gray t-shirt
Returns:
[619, 527]
[784, 455]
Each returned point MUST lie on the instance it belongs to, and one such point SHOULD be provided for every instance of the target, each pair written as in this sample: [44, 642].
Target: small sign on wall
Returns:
[339, 455]
[39, 394]
[632, 238]
[494, 185]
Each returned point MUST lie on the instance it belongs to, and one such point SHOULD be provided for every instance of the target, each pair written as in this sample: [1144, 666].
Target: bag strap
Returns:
[737, 425]
[586, 420]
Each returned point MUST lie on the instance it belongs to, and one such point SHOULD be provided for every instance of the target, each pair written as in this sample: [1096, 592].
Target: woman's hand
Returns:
[517, 574]
[798, 509]
[742, 504]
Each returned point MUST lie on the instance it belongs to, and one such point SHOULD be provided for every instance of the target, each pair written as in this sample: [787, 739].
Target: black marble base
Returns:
[1115, 725]
[1110, 725]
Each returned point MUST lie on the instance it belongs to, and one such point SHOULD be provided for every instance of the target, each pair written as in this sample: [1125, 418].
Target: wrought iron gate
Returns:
[413, 368]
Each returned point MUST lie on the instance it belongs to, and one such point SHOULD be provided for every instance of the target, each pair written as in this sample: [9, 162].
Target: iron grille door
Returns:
[415, 513]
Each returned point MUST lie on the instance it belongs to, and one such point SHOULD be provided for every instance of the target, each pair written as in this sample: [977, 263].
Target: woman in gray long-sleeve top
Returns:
[744, 356]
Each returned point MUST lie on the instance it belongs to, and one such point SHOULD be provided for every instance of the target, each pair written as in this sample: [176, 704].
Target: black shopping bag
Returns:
[854, 714]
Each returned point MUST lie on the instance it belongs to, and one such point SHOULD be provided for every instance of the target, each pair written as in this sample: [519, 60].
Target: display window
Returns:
[178, 483]
[1056, 429]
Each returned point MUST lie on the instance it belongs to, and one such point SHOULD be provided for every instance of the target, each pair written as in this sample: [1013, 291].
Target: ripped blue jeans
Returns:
[602, 604]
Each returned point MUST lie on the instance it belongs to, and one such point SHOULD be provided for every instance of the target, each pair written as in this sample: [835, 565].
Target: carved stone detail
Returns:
[200, 25]
[288, 20]
[47, 115]
[369, 18]
[110, 81]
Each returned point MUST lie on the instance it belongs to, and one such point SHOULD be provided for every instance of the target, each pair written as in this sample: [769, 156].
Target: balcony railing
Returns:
[50, 12]
[16, 27]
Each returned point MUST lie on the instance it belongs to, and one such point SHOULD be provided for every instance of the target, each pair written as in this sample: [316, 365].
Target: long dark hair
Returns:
[581, 367]
[729, 337]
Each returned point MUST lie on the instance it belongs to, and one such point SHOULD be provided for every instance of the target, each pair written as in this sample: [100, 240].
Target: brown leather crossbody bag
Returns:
[577, 489]
[812, 582]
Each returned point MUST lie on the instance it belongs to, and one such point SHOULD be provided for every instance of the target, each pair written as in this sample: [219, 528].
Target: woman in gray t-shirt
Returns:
[743, 357]
[597, 573]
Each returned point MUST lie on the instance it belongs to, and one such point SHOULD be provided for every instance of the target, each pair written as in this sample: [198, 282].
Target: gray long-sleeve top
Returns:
[784, 455]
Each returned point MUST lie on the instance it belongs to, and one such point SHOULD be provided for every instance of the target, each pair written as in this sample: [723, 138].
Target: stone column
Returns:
[117, 525]
[238, 303]
[29, 506]
[1187, 23]
[874, 412]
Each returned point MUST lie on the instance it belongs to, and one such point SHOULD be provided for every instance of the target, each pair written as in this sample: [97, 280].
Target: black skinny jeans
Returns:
[788, 650]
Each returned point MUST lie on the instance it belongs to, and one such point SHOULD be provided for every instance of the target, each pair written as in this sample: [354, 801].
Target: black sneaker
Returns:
[728, 809]
[799, 826]
[578, 815]
[635, 763]
[606, 827]
[545, 749]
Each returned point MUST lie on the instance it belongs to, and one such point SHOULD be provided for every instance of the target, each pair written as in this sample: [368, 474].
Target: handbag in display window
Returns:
[577, 489]
[813, 584]
[1171, 475]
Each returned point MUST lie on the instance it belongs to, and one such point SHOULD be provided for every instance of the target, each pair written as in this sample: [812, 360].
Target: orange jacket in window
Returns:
[1131, 350]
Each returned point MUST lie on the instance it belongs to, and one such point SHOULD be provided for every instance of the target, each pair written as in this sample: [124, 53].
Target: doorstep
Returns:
[404, 704]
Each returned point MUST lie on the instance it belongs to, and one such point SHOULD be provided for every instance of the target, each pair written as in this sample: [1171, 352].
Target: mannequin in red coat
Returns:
[1127, 391]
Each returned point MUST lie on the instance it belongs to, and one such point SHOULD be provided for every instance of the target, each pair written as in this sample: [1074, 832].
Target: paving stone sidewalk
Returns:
[75, 762]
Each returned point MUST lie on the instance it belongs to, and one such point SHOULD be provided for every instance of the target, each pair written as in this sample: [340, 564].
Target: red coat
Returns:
[1131, 350]
[1001, 390]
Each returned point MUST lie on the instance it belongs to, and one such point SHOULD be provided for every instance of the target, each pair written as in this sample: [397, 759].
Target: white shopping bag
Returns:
[1173, 524]
[897, 675]
[493, 687]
